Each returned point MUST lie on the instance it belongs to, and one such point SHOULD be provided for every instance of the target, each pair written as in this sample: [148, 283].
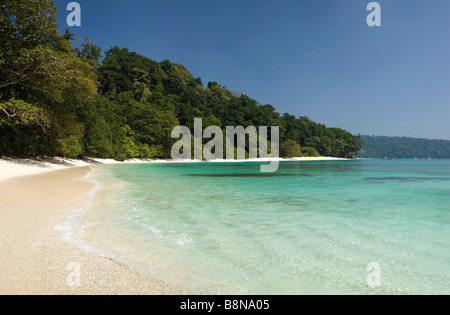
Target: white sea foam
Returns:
[135, 219]
[72, 230]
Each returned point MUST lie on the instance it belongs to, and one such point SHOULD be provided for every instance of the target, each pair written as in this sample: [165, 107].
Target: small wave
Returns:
[135, 219]
[244, 175]
[182, 239]
[72, 230]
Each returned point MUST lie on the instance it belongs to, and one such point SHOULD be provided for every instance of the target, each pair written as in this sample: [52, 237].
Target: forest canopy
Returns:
[59, 100]
[404, 148]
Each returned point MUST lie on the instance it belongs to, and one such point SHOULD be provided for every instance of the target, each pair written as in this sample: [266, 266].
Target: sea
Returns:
[331, 227]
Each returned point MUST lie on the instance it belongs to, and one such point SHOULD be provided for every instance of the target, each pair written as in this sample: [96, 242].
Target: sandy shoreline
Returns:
[34, 258]
[12, 168]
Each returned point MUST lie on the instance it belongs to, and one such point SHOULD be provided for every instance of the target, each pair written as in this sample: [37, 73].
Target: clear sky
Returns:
[315, 58]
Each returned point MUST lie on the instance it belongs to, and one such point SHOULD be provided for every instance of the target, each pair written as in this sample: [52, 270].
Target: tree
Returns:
[308, 151]
[70, 147]
[27, 31]
[89, 52]
[40, 79]
[290, 149]
[153, 127]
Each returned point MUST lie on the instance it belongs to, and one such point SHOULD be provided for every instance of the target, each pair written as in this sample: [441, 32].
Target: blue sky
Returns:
[309, 58]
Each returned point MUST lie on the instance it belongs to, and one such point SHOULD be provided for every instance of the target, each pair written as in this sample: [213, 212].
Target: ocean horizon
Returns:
[310, 228]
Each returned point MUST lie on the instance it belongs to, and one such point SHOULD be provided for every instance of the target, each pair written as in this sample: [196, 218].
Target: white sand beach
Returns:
[34, 259]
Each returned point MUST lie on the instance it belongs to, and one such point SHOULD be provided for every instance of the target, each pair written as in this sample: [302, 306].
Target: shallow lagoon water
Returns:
[310, 228]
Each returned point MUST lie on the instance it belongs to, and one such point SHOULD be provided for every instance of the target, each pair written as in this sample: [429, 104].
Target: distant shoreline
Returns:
[18, 167]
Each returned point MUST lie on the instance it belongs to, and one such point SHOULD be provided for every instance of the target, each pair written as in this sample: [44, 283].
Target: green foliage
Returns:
[124, 144]
[290, 149]
[404, 148]
[15, 113]
[55, 99]
[309, 151]
[70, 147]
[41, 81]
[153, 127]
[89, 52]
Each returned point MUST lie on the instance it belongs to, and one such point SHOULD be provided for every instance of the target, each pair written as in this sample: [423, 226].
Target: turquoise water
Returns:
[310, 228]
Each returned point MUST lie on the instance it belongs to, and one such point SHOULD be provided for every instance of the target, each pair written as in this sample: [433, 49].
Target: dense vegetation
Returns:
[60, 100]
[404, 148]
